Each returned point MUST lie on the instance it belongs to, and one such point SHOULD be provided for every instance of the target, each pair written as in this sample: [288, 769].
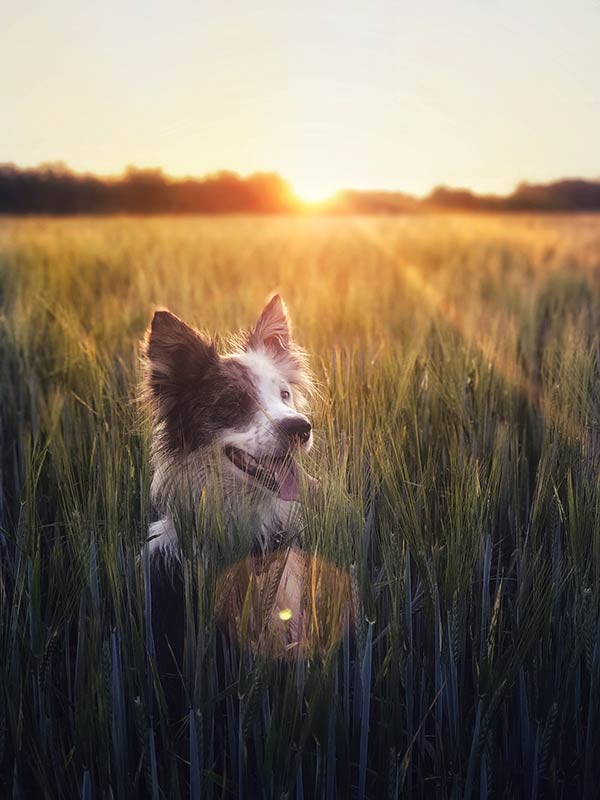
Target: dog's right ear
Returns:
[273, 331]
[177, 359]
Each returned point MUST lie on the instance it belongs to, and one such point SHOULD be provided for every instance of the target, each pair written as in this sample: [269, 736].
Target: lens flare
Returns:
[286, 604]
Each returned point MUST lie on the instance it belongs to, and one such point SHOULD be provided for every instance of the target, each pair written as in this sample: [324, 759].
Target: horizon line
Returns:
[59, 166]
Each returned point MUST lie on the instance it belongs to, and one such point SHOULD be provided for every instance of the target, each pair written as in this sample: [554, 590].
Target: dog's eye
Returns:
[285, 395]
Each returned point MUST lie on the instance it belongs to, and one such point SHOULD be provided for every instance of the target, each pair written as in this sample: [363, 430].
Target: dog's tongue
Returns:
[290, 488]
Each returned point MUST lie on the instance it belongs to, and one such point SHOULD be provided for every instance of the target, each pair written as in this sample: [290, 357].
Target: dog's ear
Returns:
[177, 360]
[273, 331]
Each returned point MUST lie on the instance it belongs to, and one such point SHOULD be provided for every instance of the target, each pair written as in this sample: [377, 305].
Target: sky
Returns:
[388, 95]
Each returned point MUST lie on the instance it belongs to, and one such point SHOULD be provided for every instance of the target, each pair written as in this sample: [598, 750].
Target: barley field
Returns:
[457, 441]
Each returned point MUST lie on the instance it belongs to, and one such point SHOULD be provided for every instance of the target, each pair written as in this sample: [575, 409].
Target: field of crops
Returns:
[457, 441]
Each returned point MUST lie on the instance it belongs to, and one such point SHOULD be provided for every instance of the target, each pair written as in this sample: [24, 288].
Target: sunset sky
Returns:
[399, 95]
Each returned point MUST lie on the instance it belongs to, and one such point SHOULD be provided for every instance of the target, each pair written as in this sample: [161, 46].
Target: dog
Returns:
[229, 429]
[235, 419]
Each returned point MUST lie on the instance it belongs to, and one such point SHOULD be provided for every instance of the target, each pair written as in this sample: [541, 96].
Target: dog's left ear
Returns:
[273, 331]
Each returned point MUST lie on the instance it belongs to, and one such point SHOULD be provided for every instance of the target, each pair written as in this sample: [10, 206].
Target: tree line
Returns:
[54, 189]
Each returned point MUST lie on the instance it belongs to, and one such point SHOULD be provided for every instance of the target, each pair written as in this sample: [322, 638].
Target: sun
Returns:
[312, 191]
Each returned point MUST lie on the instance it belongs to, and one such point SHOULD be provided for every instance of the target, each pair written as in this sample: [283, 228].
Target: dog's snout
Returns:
[297, 428]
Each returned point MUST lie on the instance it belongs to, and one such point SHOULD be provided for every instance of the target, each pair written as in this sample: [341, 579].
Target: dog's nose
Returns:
[297, 428]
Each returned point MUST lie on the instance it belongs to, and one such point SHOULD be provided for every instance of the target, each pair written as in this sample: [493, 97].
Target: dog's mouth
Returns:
[278, 474]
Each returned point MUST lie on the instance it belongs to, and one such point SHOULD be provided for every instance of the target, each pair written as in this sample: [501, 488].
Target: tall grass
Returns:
[458, 446]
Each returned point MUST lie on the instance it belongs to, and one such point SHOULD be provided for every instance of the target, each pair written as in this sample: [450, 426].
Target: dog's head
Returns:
[246, 406]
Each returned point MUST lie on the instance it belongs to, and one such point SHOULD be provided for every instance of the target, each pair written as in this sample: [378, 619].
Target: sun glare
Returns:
[312, 192]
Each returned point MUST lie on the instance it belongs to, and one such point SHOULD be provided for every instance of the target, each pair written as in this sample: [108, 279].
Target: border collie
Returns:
[226, 428]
